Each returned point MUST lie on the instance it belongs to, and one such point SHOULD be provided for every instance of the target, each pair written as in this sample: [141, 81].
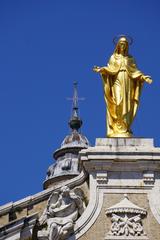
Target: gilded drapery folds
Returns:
[122, 83]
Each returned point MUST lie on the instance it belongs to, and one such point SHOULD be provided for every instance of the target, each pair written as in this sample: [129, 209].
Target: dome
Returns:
[67, 164]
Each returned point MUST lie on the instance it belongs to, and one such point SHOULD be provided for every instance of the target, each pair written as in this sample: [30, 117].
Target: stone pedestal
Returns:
[119, 166]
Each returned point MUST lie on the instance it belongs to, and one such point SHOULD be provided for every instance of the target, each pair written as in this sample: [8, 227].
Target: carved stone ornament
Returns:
[126, 219]
[148, 177]
[63, 209]
[102, 178]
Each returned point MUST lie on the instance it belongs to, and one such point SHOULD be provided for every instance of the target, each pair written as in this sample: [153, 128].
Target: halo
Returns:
[129, 39]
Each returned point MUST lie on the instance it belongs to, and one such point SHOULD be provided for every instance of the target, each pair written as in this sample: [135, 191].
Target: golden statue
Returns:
[122, 87]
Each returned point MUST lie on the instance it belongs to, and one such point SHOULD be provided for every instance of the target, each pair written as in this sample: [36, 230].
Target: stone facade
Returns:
[111, 171]
[102, 225]
[117, 167]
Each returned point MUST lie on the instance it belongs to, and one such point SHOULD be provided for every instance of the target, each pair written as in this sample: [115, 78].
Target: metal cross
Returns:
[75, 100]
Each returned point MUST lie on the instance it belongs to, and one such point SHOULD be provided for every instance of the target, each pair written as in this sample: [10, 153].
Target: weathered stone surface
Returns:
[102, 224]
[4, 219]
[62, 210]
[111, 154]
[114, 167]
[125, 142]
[20, 229]
[117, 167]
[31, 205]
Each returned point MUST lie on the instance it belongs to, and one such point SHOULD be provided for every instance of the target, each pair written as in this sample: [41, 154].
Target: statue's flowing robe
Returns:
[122, 86]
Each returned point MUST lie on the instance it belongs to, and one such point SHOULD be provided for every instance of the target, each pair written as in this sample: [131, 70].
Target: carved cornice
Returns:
[15, 229]
[44, 195]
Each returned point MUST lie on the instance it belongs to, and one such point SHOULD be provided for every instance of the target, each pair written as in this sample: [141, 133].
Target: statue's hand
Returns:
[99, 69]
[147, 79]
[96, 69]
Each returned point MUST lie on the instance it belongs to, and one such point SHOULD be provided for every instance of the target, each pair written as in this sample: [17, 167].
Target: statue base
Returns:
[116, 167]
[120, 135]
[125, 142]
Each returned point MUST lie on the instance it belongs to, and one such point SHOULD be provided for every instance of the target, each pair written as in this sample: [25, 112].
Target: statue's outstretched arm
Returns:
[146, 78]
[99, 69]
[104, 70]
[141, 76]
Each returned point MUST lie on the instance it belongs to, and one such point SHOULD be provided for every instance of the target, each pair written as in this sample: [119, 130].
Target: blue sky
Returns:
[44, 47]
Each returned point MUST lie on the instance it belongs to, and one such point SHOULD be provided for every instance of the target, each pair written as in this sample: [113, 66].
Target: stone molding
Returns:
[125, 142]
[126, 238]
[102, 178]
[154, 202]
[44, 195]
[141, 152]
[19, 229]
[92, 211]
[148, 177]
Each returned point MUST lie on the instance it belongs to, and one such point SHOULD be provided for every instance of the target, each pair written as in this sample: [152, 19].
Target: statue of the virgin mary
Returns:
[122, 87]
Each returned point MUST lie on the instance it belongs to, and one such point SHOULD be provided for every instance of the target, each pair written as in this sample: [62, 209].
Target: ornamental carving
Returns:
[126, 219]
[63, 209]
[102, 178]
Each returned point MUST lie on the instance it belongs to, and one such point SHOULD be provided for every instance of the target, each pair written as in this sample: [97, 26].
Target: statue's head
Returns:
[65, 191]
[122, 46]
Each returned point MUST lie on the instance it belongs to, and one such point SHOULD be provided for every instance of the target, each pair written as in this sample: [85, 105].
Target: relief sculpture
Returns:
[63, 209]
[126, 220]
